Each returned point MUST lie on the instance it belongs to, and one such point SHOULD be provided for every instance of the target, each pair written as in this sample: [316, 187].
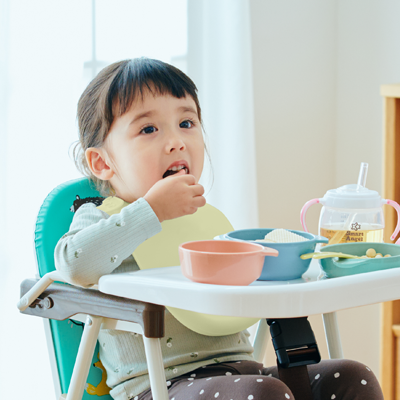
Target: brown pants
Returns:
[249, 380]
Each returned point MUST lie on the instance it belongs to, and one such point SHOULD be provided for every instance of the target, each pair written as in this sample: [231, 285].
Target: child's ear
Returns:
[96, 159]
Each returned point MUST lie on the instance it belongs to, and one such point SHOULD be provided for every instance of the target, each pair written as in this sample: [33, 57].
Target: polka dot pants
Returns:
[249, 380]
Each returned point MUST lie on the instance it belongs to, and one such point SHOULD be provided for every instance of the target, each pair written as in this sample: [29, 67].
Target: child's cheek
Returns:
[151, 175]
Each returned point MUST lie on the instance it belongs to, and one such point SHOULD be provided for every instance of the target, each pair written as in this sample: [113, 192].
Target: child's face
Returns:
[155, 133]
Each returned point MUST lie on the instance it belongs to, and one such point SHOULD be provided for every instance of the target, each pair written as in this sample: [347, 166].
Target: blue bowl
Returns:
[288, 265]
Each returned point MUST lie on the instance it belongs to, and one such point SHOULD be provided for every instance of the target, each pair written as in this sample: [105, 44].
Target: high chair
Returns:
[73, 340]
[123, 301]
[73, 316]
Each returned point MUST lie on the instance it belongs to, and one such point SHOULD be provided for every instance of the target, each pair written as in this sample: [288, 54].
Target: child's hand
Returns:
[175, 196]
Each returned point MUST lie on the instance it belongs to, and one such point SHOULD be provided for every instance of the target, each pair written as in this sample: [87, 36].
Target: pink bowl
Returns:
[223, 262]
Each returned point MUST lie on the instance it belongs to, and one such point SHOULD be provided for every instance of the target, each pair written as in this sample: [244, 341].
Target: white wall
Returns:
[368, 56]
[317, 68]
[294, 83]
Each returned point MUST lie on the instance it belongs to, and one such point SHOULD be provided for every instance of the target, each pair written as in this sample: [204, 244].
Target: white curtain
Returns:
[220, 63]
[44, 48]
[42, 53]
[46, 54]
[4, 27]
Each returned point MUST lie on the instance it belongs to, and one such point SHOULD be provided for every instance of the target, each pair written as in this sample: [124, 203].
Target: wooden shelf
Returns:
[390, 328]
[391, 90]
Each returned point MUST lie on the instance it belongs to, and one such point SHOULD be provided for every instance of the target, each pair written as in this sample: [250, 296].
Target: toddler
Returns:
[141, 141]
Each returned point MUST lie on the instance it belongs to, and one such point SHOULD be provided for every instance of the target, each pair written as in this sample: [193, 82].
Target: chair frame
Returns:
[93, 324]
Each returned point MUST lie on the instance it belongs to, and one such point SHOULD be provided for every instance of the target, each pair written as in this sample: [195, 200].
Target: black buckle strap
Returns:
[295, 348]
[294, 342]
[297, 380]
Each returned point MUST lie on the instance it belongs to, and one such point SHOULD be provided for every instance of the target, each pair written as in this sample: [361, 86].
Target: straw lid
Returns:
[352, 196]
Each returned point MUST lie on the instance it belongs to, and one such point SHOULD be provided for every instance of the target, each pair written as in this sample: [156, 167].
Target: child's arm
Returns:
[96, 244]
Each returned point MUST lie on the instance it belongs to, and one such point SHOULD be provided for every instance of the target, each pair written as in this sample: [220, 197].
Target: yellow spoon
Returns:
[321, 255]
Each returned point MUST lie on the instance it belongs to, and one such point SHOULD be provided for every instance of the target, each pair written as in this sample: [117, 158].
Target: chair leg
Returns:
[156, 368]
[84, 358]
[261, 341]
[332, 335]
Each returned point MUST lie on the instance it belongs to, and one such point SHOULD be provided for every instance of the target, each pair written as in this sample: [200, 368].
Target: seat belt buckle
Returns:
[294, 342]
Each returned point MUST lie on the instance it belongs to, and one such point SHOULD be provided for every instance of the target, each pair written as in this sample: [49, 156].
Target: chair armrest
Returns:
[61, 301]
[30, 296]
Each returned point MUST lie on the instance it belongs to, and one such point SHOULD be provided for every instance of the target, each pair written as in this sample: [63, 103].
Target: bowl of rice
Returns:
[291, 244]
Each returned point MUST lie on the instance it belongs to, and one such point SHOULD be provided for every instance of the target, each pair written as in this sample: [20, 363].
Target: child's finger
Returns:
[199, 201]
[189, 179]
[198, 190]
[180, 172]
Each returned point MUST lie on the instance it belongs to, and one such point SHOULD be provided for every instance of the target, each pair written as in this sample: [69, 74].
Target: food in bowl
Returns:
[223, 262]
[288, 265]
[334, 267]
[371, 253]
[282, 236]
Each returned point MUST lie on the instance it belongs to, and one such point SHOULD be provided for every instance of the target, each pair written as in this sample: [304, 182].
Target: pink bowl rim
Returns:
[259, 246]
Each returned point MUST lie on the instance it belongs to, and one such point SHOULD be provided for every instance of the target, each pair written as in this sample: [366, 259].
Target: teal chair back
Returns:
[53, 221]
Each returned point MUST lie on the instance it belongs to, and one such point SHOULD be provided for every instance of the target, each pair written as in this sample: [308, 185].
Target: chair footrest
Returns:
[61, 301]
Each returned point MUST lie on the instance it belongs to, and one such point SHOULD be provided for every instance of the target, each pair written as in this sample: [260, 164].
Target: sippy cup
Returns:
[352, 213]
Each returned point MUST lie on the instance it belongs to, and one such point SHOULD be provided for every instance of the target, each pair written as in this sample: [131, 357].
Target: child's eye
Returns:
[186, 124]
[148, 129]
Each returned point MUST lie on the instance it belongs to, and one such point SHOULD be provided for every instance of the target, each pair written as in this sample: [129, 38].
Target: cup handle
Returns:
[304, 211]
[396, 206]
[267, 251]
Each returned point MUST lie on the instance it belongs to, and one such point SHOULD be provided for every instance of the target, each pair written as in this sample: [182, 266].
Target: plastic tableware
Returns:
[352, 213]
[288, 265]
[334, 267]
[320, 255]
[223, 262]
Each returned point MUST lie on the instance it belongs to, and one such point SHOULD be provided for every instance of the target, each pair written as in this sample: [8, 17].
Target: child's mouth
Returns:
[174, 170]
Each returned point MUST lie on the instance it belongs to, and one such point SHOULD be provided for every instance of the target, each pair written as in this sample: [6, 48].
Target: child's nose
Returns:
[175, 142]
